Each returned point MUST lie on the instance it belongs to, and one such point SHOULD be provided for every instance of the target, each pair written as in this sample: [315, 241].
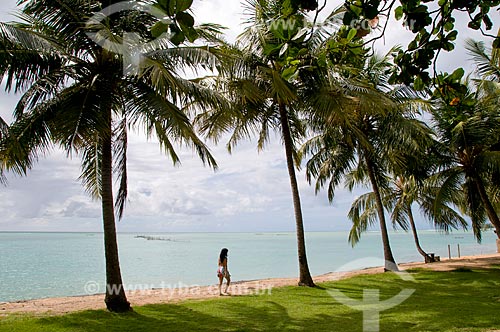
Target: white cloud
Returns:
[249, 192]
[244, 183]
[225, 13]
[8, 7]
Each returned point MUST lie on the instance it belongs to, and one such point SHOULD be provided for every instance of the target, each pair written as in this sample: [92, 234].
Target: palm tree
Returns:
[487, 61]
[468, 125]
[363, 138]
[76, 95]
[488, 69]
[264, 83]
[403, 193]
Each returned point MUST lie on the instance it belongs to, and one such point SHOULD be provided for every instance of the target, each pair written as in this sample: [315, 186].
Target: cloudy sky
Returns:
[249, 192]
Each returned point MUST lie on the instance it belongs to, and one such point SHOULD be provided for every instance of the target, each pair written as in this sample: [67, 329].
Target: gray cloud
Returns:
[73, 207]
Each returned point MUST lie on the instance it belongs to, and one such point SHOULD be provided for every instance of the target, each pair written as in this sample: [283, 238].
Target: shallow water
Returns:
[37, 265]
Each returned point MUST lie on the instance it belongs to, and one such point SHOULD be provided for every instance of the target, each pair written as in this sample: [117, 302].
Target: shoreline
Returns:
[64, 305]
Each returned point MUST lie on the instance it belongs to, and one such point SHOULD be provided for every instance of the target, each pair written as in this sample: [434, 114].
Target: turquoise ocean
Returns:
[40, 265]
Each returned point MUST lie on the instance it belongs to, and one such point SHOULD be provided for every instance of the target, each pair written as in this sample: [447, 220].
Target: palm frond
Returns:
[165, 81]
[400, 214]
[188, 57]
[281, 90]
[475, 207]
[445, 217]
[26, 56]
[66, 18]
[447, 183]
[91, 176]
[485, 66]
[120, 145]
[43, 89]
[167, 121]
[363, 213]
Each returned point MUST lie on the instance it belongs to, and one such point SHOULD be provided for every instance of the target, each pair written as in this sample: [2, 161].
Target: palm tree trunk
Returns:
[116, 300]
[490, 210]
[421, 251]
[390, 262]
[305, 278]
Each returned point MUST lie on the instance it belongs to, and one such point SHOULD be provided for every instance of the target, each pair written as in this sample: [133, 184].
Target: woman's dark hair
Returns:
[223, 254]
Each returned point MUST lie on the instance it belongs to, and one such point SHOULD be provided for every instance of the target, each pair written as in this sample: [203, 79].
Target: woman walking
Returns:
[222, 271]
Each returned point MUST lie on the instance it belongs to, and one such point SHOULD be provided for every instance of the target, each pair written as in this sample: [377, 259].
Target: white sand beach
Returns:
[63, 305]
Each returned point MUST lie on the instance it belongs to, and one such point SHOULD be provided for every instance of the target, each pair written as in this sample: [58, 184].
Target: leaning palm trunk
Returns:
[305, 278]
[490, 210]
[390, 262]
[427, 257]
[116, 300]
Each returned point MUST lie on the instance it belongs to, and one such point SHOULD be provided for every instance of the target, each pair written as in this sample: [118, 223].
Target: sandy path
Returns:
[57, 306]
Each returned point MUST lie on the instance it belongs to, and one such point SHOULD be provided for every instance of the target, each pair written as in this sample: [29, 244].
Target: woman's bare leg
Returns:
[221, 279]
[227, 284]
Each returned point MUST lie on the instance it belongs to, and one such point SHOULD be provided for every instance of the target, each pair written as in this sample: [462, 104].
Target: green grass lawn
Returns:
[462, 300]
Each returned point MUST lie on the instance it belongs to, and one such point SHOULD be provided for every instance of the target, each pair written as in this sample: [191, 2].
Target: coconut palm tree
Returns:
[404, 192]
[76, 95]
[488, 69]
[363, 139]
[467, 123]
[409, 190]
[266, 81]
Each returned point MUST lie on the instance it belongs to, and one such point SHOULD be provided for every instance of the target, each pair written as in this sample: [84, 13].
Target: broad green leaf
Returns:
[398, 13]
[356, 9]
[457, 75]
[449, 26]
[474, 25]
[447, 46]
[183, 5]
[163, 3]
[289, 72]
[452, 35]
[496, 43]
[352, 33]
[418, 83]
[178, 38]
[288, 7]
[412, 45]
[269, 48]
[185, 19]
[171, 7]
[487, 21]
[158, 29]
[422, 9]
[191, 34]
[356, 50]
